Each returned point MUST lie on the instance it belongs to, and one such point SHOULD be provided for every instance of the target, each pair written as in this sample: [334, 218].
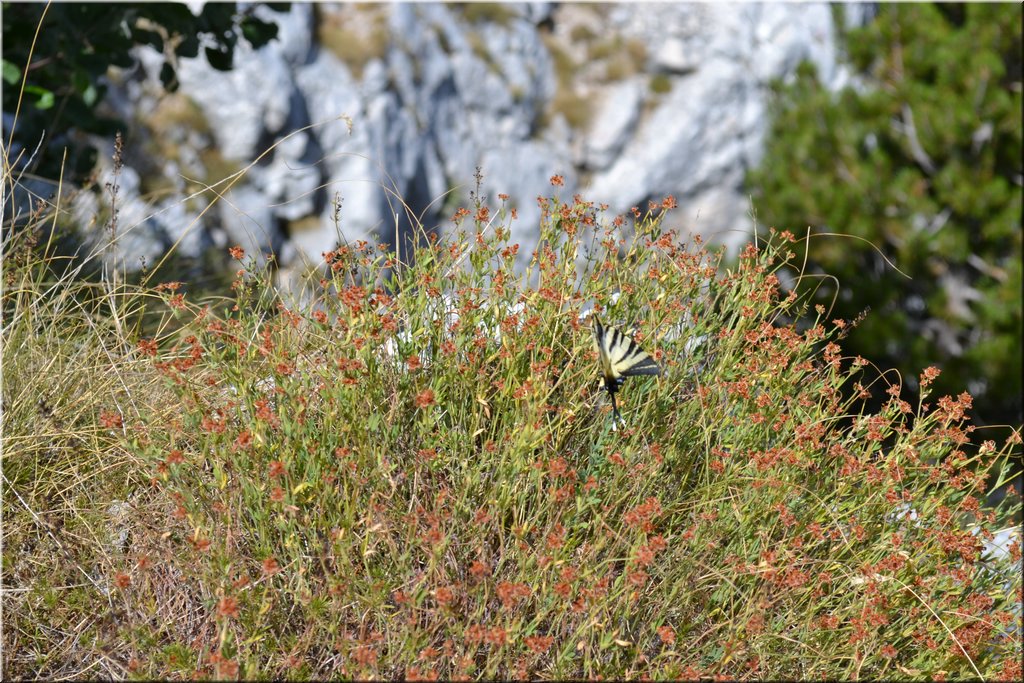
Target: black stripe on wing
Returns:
[647, 366]
[627, 358]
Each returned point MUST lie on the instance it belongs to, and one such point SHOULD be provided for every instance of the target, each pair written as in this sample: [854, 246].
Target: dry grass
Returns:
[416, 475]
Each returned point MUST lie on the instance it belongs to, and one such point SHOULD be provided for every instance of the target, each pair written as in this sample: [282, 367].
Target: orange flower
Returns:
[641, 515]
[243, 441]
[270, 566]
[444, 596]
[511, 593]
[644, 556]
[147, 347]
[429, 653]
[227, 668]
[425, 398]
[365, 655]
[433, 536]
[111, 419]
[237, 253]
[122, 580]
[228, 607]
[667, 635]
[496, 636]
[539, 644]
[637, 577]
[414, 673]
[475, 633]
[555, 537]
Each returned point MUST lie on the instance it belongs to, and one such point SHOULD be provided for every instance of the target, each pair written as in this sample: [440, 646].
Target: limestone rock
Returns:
[615, 123]
[437, 91]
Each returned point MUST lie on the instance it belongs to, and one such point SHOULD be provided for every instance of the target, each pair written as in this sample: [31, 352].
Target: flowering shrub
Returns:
[414, 474]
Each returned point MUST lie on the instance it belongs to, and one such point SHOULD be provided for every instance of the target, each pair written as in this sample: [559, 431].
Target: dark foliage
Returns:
[923, 160]
[62, 52]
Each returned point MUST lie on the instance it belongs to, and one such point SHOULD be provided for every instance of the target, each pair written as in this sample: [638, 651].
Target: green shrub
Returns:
[923, 164]
[412, 471]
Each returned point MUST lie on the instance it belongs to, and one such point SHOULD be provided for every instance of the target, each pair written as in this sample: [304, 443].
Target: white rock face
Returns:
[616, 120]
[248, 221]
[703, 136]
[291, 179]
[445, 95]
[243, 104]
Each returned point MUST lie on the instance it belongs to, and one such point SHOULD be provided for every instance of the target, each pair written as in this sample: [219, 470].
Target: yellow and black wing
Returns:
[620, 357]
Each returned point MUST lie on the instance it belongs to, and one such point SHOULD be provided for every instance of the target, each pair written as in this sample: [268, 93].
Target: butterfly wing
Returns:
[627, 358]
[621, 356]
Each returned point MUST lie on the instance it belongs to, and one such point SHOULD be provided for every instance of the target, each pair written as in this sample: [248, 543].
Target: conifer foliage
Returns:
[920, 157]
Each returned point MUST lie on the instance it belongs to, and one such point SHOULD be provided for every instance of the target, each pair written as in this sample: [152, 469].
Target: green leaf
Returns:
[80, 80]
[189, 47]
[90, 95]
[11, 73]
[46, 98]
[145, 37]
[217, 16]
[219, 59]
[257, 32]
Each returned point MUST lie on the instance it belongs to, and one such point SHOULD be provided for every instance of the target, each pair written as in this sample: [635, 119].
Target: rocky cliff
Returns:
[389, 109]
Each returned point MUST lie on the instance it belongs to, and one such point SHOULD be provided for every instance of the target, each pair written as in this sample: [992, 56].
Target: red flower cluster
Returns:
[642, 515]
[511, 593]
[539, 644]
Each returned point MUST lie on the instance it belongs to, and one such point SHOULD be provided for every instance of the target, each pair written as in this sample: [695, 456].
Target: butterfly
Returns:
[621, 357]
